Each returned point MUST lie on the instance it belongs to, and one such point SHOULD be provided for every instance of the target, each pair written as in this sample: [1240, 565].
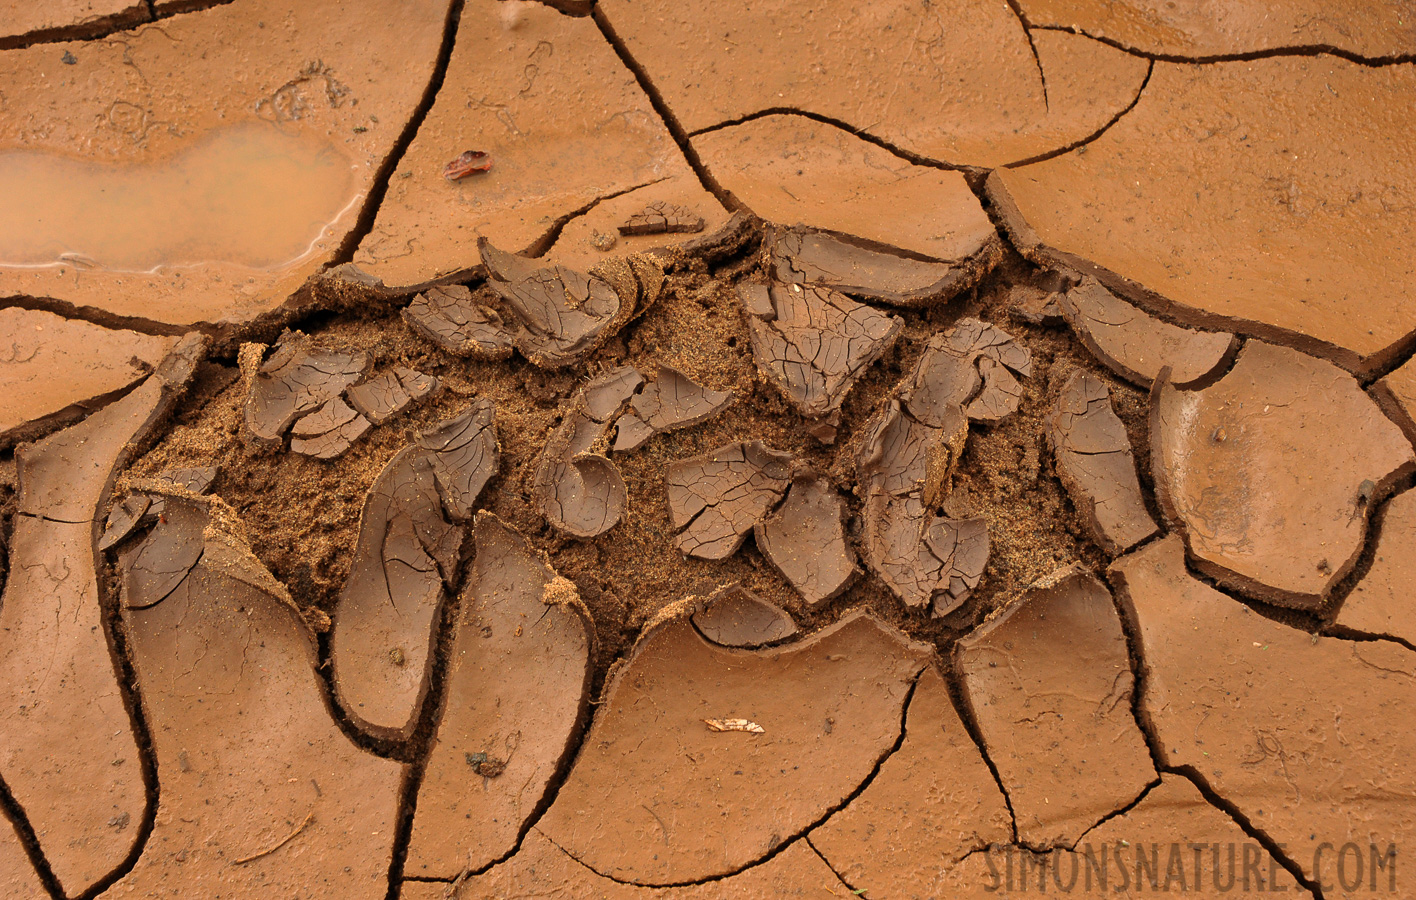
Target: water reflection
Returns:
[248, 194]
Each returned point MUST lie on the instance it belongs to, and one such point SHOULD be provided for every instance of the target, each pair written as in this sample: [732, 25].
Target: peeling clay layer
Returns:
[639, 450]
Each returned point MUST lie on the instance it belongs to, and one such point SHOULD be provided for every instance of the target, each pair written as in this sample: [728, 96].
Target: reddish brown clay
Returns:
[1239, 195]
[1011, 94]
[717, 498]
[97, 363]
[931, 803]
[518, 680]
[260, 791]
[805, 538]
[1096, 465]
[1049, 682]
[1294, 730]
[1270, 471]
[67, 751]
[736, 617]
[1137, 345]
[26, 22]
[1381, 603]
[657, 797]
[18, 877]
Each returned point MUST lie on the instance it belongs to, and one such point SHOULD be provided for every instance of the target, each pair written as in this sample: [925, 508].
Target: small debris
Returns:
[471, 162]
[733, 725]
[661, 217]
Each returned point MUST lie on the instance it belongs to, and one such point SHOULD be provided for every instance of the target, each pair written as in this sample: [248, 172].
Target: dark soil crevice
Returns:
[11, 811]
[1141, 674]
[671, 122]
[1081, 142]
[1032, 45]
[1116, 813]
[546, 241]
[859, 892]
[105, 26]
[96, 316]
[1376, 523]
[379, 187]
[1299, 50]
[959, 697]
[789, 840]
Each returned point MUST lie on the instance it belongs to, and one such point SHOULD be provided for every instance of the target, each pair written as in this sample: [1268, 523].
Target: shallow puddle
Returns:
[248, 194]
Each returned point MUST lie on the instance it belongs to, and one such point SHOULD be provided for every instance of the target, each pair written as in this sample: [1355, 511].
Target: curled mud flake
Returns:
[464, 455]
[243, 739]
[638, 279]
[70, 759]
[124, 519]
[1294, 730]
[972, 367]
[1096, 465]
[518, 689]
[195, 479]
[1035, 305]
[578, 489]
[815, 342]
[743, 725]
[1299, 433]
[631, 432]
[804, 256]
[328, 432]
[735, 617]
[297, 379]
[153, 568]
[470, 162]
[1049, 683]
[805, 538]
[935, 791]
[450, 318]
[672, 401]
[386, 395]
[645, 802]
[717, 498]
[662, 217]
[1136, 345]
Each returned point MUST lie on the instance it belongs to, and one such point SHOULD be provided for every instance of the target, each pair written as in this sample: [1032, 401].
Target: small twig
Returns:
[281, 843]
[451, 890]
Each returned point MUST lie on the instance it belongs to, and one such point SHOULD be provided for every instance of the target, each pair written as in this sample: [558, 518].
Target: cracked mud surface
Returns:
[603, 449]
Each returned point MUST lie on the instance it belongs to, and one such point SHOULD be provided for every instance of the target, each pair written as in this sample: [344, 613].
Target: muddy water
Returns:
[248, 194]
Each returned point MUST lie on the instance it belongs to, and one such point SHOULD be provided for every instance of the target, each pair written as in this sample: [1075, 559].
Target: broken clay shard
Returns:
[1269, 471]
[450, 317]
[646, 801]
[386, 395]
[973, 367]
[805, 538]
[328, 432]
[244, 743]
[407, 551]
[670, 402]
[812, 343]
[578, 489]
[1049, 683]
[735, 617]
[154, 567]
[297, 379]
[1135, 344]
[717, 498]
[1096, 465]
[936, 791]
[663, 218]
[806, 256]
[518, 689]
[1294, 730]
[564, 315]
[470, 162]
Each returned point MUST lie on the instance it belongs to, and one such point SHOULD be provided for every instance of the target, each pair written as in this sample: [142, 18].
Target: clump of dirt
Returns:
[302, 515]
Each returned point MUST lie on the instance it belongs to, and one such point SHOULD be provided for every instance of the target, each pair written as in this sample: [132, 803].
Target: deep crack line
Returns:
[1105, 127]
[786, 842]
[1299, 50]
[11, 811]
[1032, 45]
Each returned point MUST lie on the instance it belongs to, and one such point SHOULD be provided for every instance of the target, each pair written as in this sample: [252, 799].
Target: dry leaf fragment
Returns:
[733, 725]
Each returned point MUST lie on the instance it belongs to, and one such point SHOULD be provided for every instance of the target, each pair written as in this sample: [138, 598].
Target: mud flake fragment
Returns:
[1096, 464]
[1049, 682]
[1264, 470]
[936, 791]
[1294, 730]
[673, 401]
[408, 549]
[971, 367]
[518, 689]
[735, 617]
[244, 742]
[386, 395]
[153, 568]
[298, 379]
[450, 317]
[656, 797]
[328, 432]
[123, 519]
[1136, 345]
[578, 489]
[716, 499]
[661, 217]
[805, 538]
[812, 343]
[470, 162]
[804, 256]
